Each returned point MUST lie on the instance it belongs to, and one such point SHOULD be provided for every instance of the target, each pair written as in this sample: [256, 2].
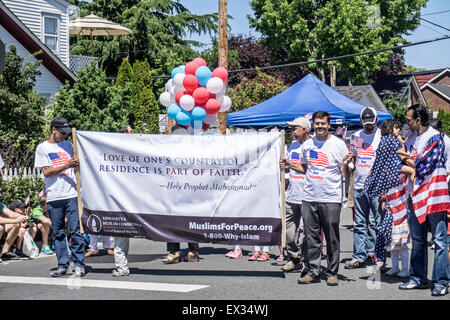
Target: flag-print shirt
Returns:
[294, 193]
[63, 185]
[364, 148]
[323, 181]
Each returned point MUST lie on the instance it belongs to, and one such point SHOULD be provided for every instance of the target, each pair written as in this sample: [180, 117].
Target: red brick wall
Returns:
[435, 101]
[444, 80]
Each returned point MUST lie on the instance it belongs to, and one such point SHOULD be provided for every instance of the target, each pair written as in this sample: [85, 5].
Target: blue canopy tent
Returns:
[305, 97]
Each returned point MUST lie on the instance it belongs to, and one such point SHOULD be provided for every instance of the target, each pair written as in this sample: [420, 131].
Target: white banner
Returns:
[178, 188]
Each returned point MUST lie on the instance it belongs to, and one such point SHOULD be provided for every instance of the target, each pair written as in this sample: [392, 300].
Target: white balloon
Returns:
[169, 84]
[164, 98]
[178, 79]
[210, 119]
[172, 91]
[223, 91]
[187, 102]
[214, 85]
[225, 103]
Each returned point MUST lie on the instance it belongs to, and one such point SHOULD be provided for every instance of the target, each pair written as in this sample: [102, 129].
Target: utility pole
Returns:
[223, 54]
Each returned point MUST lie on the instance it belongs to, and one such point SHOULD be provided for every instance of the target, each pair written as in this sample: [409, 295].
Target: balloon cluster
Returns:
[195, 94]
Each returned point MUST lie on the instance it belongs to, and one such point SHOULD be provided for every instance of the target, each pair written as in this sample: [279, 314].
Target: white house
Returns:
[39, 25]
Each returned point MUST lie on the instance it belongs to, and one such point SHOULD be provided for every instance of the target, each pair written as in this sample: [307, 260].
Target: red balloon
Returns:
[205, 126]
[212, 106]
[190, 83]
[191, 67]
[200, 62]
[179, 95]
[200, 95]
[221, 73]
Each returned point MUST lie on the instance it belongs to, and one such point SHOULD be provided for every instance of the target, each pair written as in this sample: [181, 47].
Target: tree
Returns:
[145, 108]
[395, 65]
[445, 119]
[124, 81]
[396, 108]
[158, 30]
[93, 103]
[300, 30]
[22, 118]
[250, 92]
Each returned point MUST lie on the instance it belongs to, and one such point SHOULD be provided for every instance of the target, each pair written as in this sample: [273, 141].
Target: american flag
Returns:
[318, 159]
[396, 199]
[430, 188]
[361, 148]
[58, 158]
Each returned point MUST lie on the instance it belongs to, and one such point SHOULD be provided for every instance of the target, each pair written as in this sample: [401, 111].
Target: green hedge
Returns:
[20, 187]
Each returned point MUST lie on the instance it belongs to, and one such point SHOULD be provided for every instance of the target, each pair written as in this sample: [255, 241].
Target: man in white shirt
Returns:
[429, 212]
[364, 144]
[56, 159]
[322, 163]
[294, 193]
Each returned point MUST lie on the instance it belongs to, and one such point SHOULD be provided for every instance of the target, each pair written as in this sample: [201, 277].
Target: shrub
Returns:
[20, 187]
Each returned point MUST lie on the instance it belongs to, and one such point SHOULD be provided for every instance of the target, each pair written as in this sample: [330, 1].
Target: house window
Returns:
[51, 32]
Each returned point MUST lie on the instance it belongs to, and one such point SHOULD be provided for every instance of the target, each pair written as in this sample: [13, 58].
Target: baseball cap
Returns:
[368, 116]
[300, 121]
[62, 124]
[16, 204]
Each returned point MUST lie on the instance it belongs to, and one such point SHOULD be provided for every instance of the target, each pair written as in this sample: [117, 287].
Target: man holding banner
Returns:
[322, 162]
[55, 158]
[294, 193]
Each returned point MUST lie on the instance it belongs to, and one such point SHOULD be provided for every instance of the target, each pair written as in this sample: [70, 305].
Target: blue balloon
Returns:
[198, 114]
[173, 110]
[183, 118]
[203, 74]
[176, 70]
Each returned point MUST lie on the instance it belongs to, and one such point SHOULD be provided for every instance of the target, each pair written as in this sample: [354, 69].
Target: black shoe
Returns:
[9, 256]
[411, 285]
[354, 264]
[21, 255]
[439, 291]
[58, 272]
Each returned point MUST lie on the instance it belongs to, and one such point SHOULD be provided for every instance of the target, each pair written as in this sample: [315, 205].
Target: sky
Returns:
[430, 56]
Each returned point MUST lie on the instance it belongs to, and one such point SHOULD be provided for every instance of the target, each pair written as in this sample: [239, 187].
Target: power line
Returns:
[294, 64]
[431, 13]
[435, 24]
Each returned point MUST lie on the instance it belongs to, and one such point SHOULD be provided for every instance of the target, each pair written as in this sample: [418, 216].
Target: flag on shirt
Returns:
[318, 159]
[397, 198]
[295, 157]
[58, 158]
[430, 188]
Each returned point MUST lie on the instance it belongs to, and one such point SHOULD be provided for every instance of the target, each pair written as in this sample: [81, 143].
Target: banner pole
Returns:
[77, 175]
[283, 194]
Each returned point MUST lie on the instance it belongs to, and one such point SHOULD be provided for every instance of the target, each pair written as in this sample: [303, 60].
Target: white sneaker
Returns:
[392, 272]
[120, 272]
[403, 274]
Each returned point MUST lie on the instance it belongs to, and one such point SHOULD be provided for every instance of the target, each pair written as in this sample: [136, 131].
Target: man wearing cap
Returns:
[364, 144]
[55, 158]
[294, 193]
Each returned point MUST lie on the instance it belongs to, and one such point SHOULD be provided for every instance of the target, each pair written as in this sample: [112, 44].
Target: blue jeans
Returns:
[58, 210]
[367, 220]
[437, 223]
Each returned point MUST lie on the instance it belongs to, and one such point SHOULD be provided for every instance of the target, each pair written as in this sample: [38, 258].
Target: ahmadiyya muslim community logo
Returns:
[94, 223]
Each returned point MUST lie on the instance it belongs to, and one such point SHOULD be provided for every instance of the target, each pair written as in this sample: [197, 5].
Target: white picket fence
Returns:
[10, 173]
